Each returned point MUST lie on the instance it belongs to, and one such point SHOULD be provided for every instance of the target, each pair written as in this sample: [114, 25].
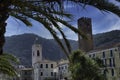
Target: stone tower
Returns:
[36, 52]
[84, 24]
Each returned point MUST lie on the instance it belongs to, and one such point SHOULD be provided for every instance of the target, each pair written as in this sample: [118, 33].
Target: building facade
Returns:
[63, 71]
[111, 59]
[42, 69]
[26, 74]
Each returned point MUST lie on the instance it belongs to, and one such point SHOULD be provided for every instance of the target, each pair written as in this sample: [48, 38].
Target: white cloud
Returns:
[15, 27]
[116, 26]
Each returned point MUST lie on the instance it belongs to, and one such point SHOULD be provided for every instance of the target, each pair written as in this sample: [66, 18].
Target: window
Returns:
[110, 62]
[119, 55]
[89, 55]
[51, 73]
[59, 68]
[41, 74]
[111, 53]
[103, 54]
[66, 67]
[104, 62]
[62, 68]
[112, 72]
[119, 70]
[115, 49]
[93, 55]
[55, 74]
[51, 65]
[114, 62]
[38, 53]
[46, 65]
[25, 73]
[104, 72]
[41, 65]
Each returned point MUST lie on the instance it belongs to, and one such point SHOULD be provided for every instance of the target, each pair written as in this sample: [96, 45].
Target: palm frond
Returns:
[51, 13]
[53, 33]
[63, 35]
[118, 0]
[103, 5]
[23, 19]
[6, 64]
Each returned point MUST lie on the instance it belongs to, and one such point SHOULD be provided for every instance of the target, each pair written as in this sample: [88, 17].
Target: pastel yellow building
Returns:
[111, 59]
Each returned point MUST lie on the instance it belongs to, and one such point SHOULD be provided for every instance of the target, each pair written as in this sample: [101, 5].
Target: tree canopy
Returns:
[7, 64]
[84, 68]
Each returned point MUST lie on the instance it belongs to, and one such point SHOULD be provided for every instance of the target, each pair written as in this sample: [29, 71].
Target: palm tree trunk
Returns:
[4, 5]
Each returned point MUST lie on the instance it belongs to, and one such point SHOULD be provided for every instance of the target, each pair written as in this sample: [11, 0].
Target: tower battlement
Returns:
[85, 25]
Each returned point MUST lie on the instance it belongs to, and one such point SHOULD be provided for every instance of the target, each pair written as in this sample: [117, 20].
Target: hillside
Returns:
[20, 45]
[105, 39]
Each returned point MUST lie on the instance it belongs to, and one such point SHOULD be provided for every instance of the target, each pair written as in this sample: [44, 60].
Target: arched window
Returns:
[38, 53]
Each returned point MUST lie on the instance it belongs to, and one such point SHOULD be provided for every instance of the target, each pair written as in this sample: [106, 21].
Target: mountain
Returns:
[106, 39]
[21, 45]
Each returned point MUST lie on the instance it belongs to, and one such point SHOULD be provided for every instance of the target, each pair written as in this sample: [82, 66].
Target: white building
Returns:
[42, 69]
[63, 71]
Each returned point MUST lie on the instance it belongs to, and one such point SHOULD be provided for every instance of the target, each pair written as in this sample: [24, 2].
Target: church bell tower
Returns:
[36, 52]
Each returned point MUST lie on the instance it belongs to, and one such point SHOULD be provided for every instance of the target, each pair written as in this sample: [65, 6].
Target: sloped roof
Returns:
[105, 47]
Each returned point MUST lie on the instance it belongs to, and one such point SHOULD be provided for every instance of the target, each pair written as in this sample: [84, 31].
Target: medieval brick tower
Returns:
[84, 24]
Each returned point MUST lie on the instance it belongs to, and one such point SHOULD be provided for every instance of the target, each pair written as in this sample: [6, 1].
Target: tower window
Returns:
[38, 53]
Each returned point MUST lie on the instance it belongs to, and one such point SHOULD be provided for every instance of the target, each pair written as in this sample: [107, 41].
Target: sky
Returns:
[101, 22]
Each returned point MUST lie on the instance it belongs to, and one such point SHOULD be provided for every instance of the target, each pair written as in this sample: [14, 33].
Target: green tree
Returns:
[7, 64]
[49, 13]
[84, 68]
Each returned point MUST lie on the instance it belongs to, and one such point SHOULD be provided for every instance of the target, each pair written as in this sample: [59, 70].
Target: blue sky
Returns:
[101, 22]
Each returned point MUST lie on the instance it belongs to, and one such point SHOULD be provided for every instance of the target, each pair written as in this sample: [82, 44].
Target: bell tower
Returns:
[84, 24]
[36, 52]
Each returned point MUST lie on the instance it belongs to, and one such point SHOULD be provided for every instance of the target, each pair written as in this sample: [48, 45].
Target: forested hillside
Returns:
[21, 45]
